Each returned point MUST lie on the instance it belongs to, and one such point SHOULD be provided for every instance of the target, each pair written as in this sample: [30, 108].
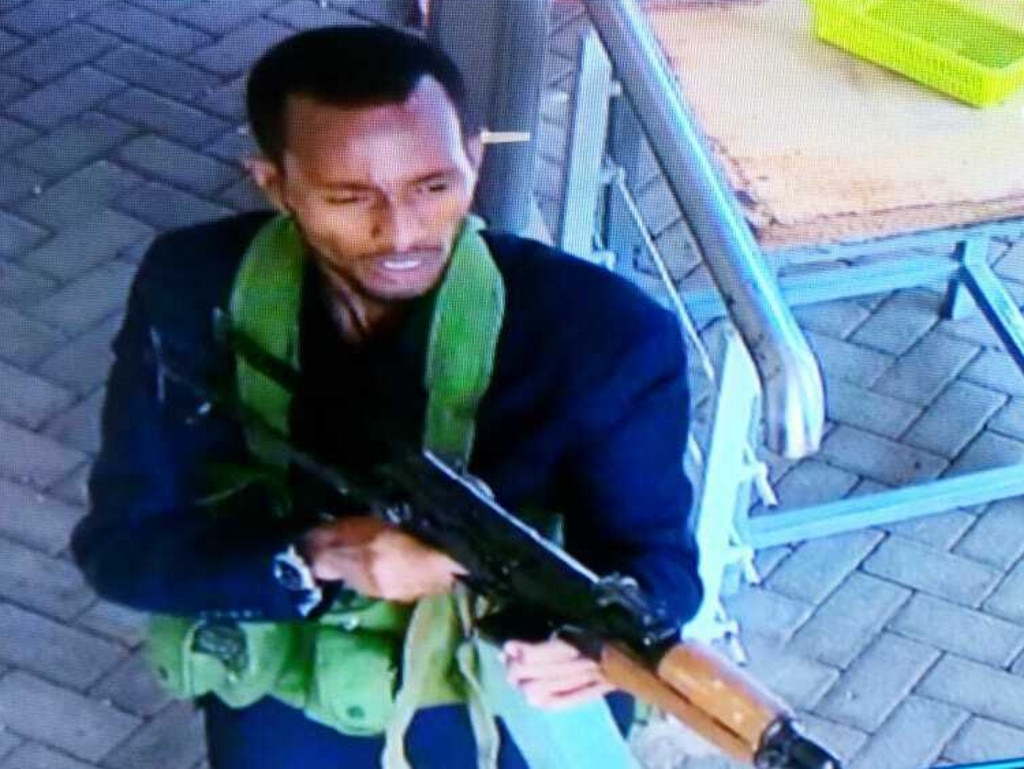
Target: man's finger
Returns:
[554, 650]
[542, 697]
[554, 670]
[454, 567]
[558, 680]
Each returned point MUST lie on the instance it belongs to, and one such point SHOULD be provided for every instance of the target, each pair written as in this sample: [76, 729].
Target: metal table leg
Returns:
[992, 298]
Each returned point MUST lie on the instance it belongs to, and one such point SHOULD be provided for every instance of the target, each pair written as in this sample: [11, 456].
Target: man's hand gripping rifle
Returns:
[542, 589]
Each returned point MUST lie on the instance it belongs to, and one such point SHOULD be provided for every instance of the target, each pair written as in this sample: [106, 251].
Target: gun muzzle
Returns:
[783, 747]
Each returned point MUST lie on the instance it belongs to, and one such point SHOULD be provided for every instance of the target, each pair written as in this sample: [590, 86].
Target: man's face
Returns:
[378, 192]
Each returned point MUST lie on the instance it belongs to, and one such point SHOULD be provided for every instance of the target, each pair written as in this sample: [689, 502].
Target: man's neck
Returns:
[360, 319]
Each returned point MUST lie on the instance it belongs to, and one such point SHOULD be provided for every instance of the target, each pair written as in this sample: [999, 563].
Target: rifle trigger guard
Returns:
[588, 644]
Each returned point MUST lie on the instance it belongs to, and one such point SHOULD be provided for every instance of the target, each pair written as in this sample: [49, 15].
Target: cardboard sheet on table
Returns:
[824, 146]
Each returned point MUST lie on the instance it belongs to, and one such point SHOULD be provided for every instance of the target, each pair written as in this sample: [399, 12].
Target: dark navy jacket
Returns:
[586, 414]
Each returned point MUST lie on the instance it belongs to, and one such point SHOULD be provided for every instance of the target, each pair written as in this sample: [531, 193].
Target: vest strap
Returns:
[438, 663]
[265, 304]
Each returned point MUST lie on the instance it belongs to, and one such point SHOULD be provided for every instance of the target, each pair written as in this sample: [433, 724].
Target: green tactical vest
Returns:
[343, 670]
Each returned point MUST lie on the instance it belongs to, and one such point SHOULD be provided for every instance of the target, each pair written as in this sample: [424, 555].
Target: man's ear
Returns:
[270, 179]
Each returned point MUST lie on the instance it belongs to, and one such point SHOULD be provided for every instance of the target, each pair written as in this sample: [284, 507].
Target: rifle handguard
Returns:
[721, 703]
[719, 688]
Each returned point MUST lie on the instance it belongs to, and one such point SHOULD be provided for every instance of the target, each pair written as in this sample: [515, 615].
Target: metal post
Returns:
[588, 133]
[725, 491]
[794, 399]
[623, 232]
[581, 736]
[499, 45]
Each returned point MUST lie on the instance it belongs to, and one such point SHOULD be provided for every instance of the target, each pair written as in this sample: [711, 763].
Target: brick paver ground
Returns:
[899, 646]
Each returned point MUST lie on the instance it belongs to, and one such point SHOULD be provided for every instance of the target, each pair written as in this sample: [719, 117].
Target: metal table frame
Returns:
[621, 62]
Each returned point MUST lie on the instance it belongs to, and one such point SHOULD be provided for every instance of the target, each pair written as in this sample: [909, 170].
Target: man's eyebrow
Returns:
[444, 173]
[344, 184]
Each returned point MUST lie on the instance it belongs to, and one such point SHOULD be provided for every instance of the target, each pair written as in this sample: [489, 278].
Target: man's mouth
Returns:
[401, 265]
[406, 261]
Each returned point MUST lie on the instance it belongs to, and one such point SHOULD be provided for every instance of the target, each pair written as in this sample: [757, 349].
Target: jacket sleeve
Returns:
[145, 541]
[628, 499]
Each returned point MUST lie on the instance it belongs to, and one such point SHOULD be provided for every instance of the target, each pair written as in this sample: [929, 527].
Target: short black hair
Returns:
[349, 67]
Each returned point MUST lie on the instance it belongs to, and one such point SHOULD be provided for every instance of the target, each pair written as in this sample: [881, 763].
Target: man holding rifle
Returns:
[298, 620]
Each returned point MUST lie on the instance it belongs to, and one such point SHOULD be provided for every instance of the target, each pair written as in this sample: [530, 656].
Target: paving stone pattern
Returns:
[899, 646]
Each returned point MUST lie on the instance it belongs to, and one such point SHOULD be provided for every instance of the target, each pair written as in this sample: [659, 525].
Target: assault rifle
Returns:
[544, 589]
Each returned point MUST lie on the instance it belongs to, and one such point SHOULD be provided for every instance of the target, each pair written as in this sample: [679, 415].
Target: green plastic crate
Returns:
[950, 45]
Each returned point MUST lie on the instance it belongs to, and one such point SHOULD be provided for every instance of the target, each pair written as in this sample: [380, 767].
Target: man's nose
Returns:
[400, 227]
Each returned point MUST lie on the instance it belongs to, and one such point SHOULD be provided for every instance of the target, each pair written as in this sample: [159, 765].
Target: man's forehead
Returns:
[329, 145]
[426, 107]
